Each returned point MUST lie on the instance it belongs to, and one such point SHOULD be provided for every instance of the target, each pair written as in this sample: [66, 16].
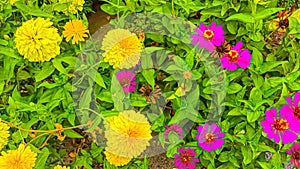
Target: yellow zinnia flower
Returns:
[75, 6]
[75, 30]
[116, 160]
[61, 167]
[22, 158]
[4, 134]
[37, 40]
[127, 134]
[122, 48]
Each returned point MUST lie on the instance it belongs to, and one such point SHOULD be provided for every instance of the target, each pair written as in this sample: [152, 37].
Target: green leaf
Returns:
[247, 154]
[72, 134]
[268, 66]
[46, 71]
[243, 17]
[232, 27]
[234, 88]
[252, 116]
[149, 76]
[257, 57]
[42, 158]
[235, 112]
[262, 14]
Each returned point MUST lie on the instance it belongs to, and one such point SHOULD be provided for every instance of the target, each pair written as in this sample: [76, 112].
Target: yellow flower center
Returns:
[280, 125]
[209, 137]
[185, 157]
[233, 55]
[208, 34]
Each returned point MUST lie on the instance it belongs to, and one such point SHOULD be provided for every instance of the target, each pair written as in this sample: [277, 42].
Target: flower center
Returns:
[280, 125]
[185, 157]
[296, 155]
[208, 34]
[125, 82]
[297, 112]
[209, 137]
[233, 56]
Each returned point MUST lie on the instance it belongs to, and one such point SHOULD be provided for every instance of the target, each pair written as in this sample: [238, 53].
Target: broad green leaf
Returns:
[247, 154]
[46, 71]
[262, 14]
[149, 76]
[72, 134]
[243, 17]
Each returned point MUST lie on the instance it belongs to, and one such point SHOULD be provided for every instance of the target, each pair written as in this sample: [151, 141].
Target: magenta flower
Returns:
[175, 128]
[280, 128]
[127, 80]
[236, 57]
[210, 137]
[185, 160]
[295, 155]
[208, 36]
[293, 107]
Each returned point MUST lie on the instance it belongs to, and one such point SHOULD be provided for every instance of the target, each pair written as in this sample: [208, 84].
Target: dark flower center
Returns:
[125, 82]
[280, 125]
[209, 137]
[233, 56]
[284, 23]
[208, 34]
[297, 112]
[185, 157]
[296, 155]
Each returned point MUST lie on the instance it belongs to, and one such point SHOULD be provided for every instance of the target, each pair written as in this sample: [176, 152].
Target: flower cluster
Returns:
[212, 37]
[129, 129]
[74, 7]
[209, 138]
[38, 40]
[284, 127]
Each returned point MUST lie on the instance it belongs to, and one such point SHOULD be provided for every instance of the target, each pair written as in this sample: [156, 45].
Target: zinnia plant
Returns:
[280, 128]
[4, 134]
[185, 159]
[75, 30]
[127, 135]
[293, 107]
[210, 137]
[122, 48]
[127, 80]
[236, 57]
[173, 128]
[208, 37]
[295, 155]
[37, 40]
[23, 156]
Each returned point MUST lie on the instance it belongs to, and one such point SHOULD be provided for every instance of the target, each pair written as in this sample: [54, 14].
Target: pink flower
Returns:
[210, 137]
[175, 128]
[185, 160]
[127, 80]
[292, 107]
[280, 128]
[208, 36]
[295, 155]
[236, 57]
